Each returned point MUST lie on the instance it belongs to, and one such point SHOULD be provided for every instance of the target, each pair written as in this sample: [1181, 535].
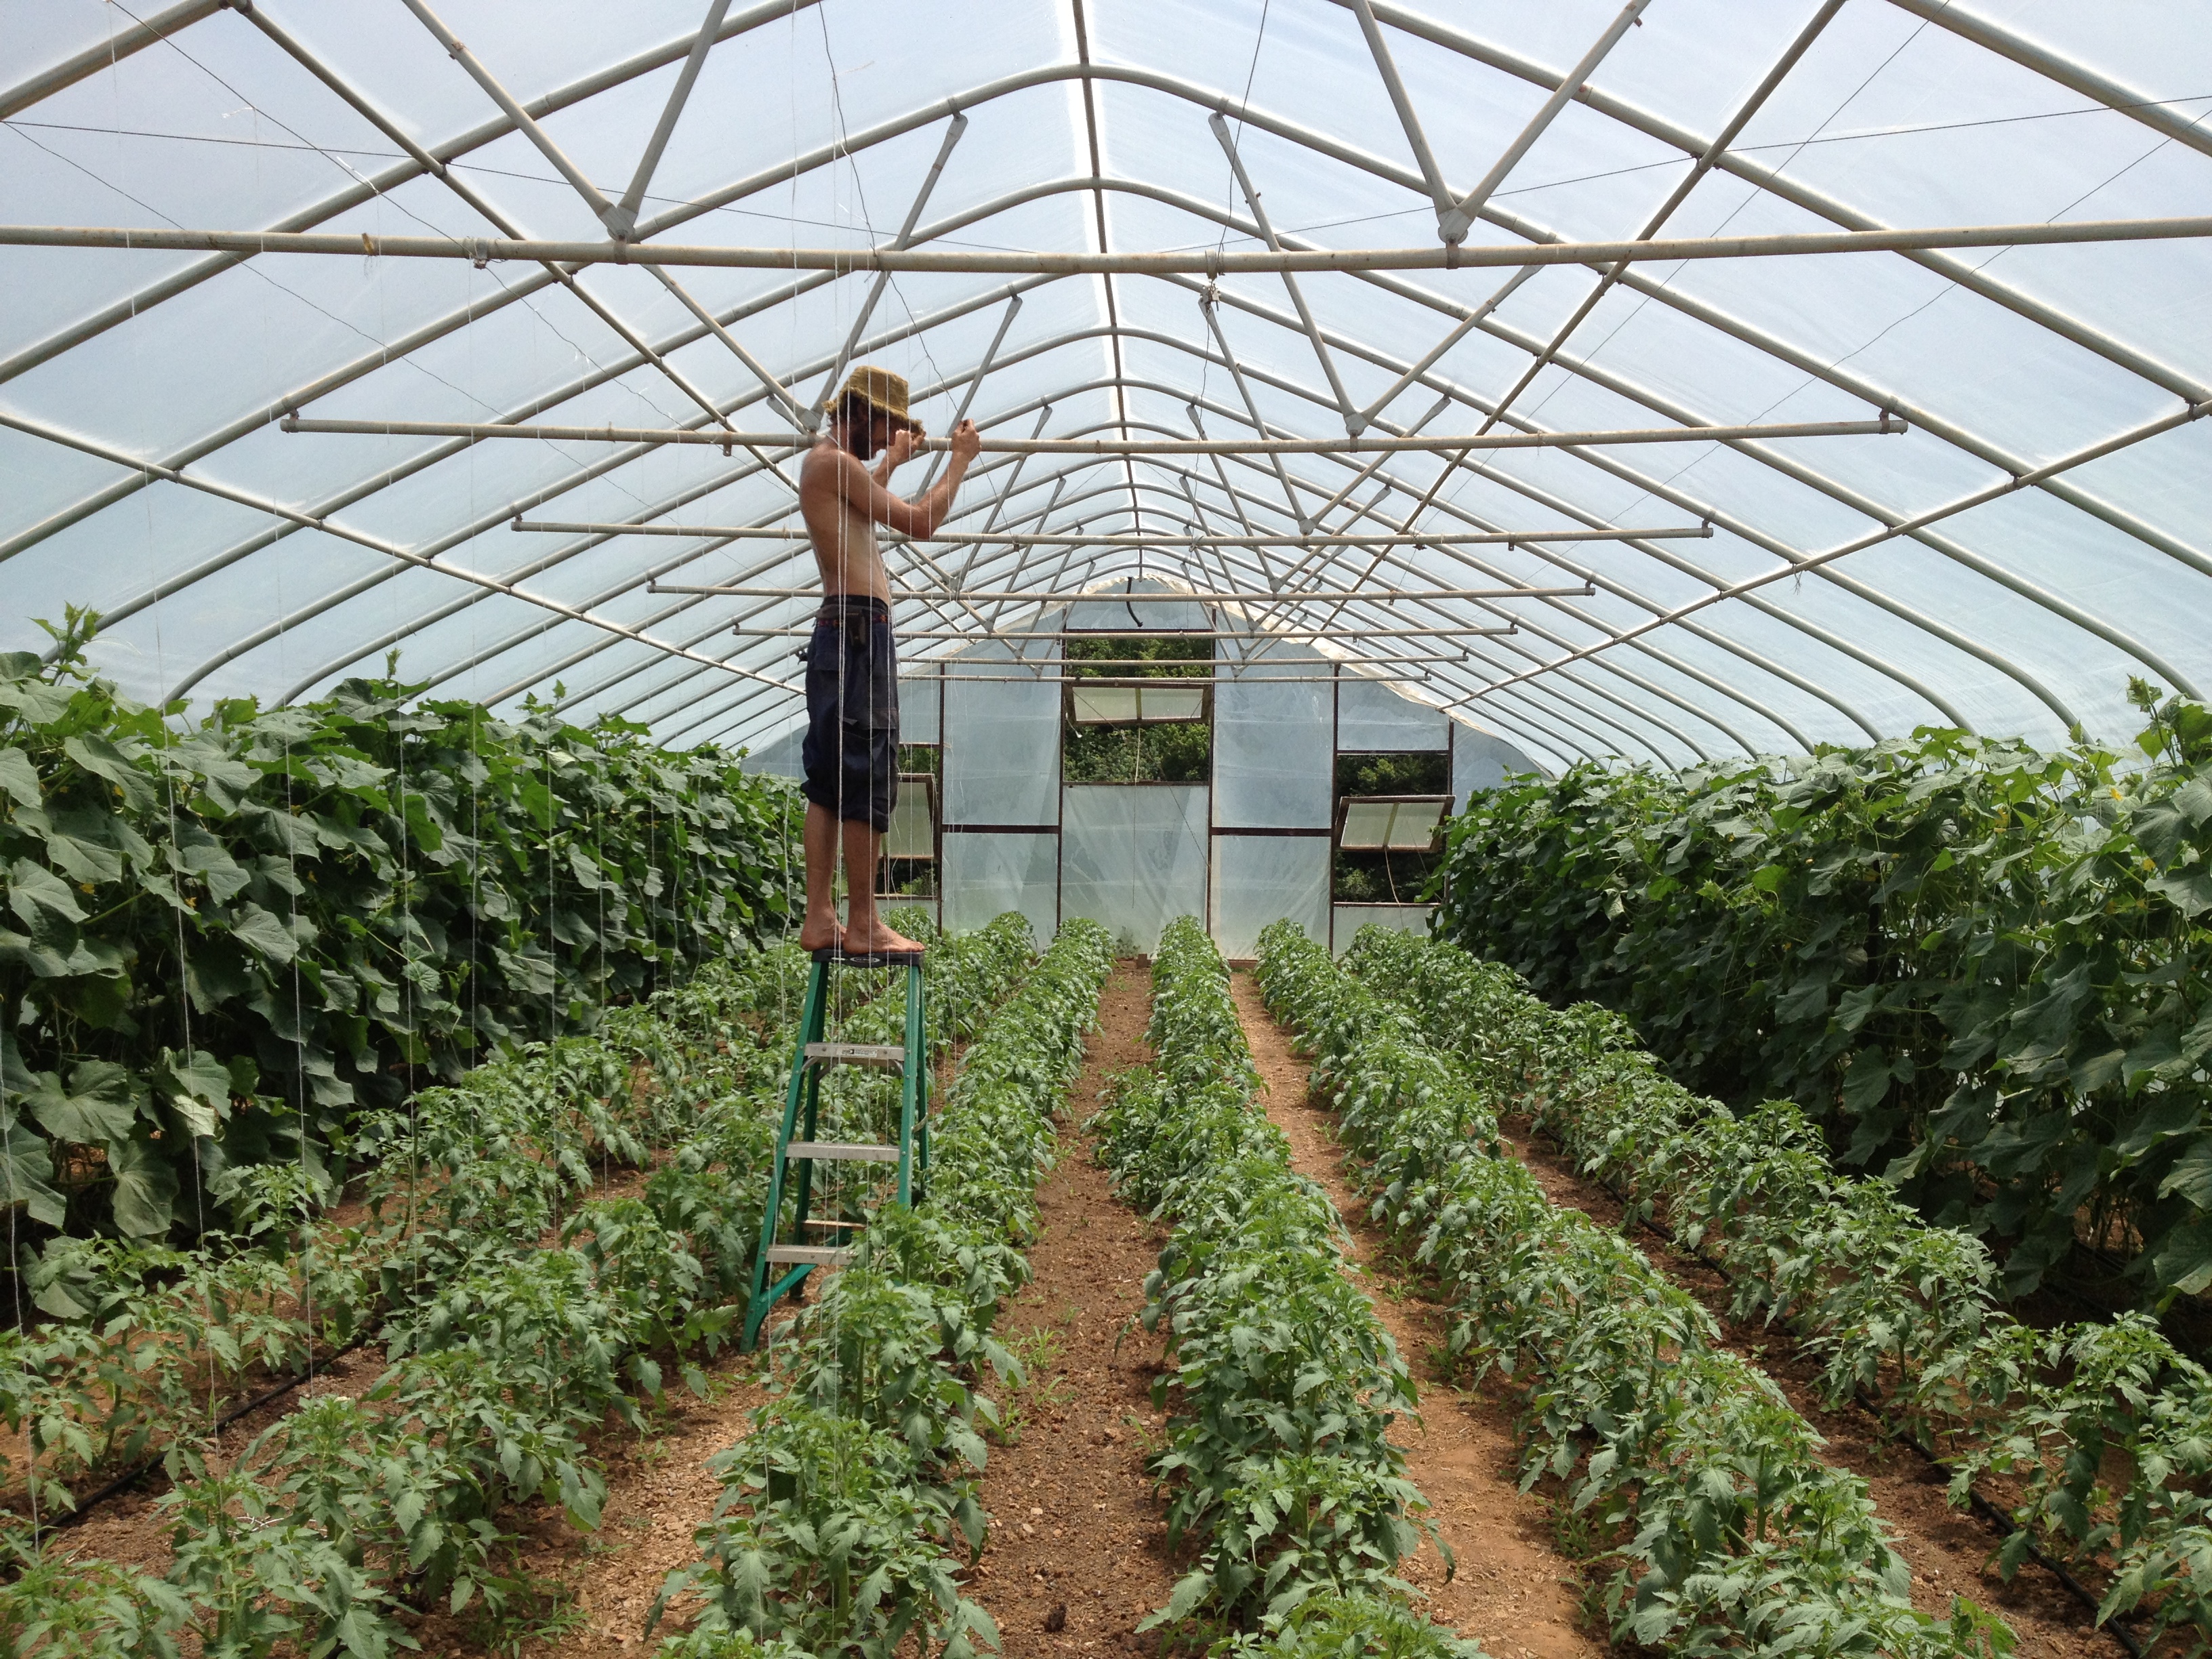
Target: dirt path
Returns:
[1516, 1590]
[1947, 1548]
[1077, 1553]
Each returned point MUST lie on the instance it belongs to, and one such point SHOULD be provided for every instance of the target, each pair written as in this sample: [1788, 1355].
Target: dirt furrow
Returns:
[1516, 1590]
[1077, 1553]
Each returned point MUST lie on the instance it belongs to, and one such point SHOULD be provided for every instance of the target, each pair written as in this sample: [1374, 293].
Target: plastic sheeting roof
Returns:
[146, 473]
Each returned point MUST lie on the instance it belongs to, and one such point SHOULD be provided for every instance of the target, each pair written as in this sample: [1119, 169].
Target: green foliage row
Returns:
[1277, 1453]
[223, 941]
[1696, 1479]
[351, 1514]
[1984, 970]
[850, 1508]
[2104, 1430]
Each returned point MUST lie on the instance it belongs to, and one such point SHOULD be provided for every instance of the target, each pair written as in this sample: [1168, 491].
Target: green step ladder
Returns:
[787, 1255]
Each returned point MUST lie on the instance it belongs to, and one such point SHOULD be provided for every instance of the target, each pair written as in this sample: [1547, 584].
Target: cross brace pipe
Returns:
[1267, 636]
[1206, 262]
[721, 439]
[1107, 538]
[1300, 596]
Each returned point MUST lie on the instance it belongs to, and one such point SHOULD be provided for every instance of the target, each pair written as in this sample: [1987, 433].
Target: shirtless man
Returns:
[851, 754]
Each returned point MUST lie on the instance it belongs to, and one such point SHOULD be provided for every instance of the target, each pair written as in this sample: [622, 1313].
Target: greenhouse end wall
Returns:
[1251, 845]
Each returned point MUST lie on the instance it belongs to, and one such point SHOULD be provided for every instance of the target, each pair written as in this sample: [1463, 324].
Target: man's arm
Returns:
[919, 518]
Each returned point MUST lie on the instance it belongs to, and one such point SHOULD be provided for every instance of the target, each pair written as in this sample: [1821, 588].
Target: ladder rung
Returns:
[887, 1056]
[843, 1152]
[810, 1255]
[849, 1226]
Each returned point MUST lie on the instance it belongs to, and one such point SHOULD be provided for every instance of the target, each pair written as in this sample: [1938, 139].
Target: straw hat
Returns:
[883, 392]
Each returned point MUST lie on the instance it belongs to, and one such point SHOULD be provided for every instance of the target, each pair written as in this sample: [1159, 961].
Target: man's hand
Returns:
[900, 450]
[966, 442]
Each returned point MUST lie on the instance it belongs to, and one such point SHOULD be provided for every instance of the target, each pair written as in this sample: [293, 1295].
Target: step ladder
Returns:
[788, 1251]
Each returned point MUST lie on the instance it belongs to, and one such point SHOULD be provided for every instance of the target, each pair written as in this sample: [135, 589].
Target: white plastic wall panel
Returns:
[1259, 879]
[1133, 856]
[987, 875]
[1002, 757]
[1273, 759]
[1480, 761]
[922, 704]
[1403, 918]
[1372, 719]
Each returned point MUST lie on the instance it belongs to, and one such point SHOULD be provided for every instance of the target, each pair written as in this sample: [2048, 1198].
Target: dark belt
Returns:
[850, 607]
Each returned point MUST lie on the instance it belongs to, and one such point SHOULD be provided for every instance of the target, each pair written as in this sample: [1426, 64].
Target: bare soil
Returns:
[1947, 1548]
[1516, 1590]
[1077, 1553]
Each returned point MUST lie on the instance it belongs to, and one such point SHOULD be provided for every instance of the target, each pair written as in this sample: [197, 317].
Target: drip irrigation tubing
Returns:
[131, 1476]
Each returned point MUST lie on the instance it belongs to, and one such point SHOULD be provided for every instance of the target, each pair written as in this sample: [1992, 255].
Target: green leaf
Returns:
[102, 758]
[2189, 891]
[19, 779]
[1867, 1081]
[2192, 1176]
[145, 1187]
[37, 895]
[100, 1103]
[261, 932]
[27, 1173]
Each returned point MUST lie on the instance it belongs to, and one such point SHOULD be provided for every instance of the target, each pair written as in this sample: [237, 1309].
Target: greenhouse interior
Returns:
[1267, 829]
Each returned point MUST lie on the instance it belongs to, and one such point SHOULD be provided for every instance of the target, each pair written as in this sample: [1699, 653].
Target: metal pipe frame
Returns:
[1107, 538]
[1719, 640]
[1589, 98]
[1216, 463]
[1449, 443]
[1799, 46]
[1689, 669]
[1453, 227]
[1175, 596]
[1270, 633]
[1212, 264]
[1352, 421]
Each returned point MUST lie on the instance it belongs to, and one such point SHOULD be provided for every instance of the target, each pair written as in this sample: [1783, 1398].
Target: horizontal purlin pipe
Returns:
[1267, 636]
[1200, 262]
[1101, 679]
[1291, 596]
[1038, 539]
[1170, 662]
[1346, 446]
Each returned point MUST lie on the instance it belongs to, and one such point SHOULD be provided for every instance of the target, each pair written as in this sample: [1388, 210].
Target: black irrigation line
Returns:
[131, 1476]
[2004, 1523]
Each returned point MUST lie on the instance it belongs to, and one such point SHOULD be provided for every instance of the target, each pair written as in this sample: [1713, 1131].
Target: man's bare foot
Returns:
[879, 940]
[821, 933]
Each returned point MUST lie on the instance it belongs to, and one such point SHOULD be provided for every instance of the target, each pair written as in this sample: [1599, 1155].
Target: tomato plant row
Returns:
[347, 1515]
[1895, 1311]
[350, 1511]
[223, 941]
[1985, 971]
[851, 1506]
[1691, 1474]
[1278, 1454]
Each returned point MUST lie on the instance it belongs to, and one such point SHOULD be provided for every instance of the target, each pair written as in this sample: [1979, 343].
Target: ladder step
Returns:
[885, 1056]
[844, 1226]
[843, 1152]
[810, 1255]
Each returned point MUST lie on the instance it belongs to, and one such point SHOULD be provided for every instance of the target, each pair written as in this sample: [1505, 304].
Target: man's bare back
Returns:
[843, 500]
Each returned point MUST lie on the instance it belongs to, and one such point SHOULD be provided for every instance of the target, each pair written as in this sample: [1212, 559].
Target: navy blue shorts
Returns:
[851, 754]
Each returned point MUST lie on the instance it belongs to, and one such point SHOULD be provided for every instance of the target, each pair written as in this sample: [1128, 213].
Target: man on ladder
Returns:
[851, 753]
[851, 761]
